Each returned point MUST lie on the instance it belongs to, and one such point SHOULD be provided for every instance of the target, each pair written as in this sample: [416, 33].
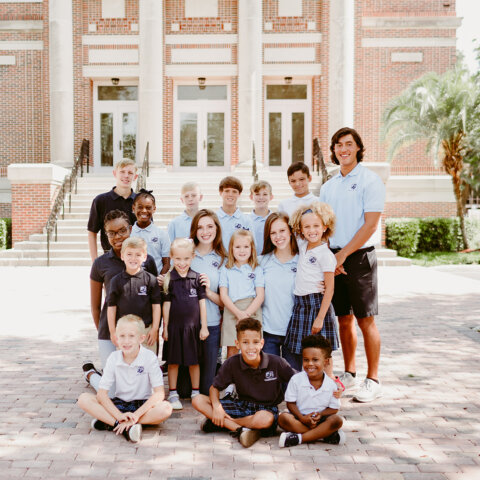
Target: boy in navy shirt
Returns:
[258, 378]
[136, 292]
[135, 372]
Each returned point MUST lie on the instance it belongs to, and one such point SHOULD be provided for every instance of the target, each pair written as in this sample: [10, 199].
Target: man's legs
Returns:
[348, 339]
[371, 339]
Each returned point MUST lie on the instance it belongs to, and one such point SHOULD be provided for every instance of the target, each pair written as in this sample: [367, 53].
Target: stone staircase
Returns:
[71, 248]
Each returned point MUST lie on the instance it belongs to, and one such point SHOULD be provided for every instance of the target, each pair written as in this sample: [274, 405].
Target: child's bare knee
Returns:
[263, 419]
[84, 399]
[336, 421]
[198, 401]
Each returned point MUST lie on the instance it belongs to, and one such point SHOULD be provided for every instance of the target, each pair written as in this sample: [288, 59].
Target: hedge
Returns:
[5, 233]
[411, 235]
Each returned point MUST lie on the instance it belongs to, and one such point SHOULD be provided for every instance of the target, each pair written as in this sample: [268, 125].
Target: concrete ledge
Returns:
[32, 173]
[420, 188]
[5, 190]
[23, 25]
[393, 23]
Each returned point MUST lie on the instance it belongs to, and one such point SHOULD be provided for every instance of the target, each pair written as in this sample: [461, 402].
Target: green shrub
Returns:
[402, 235]
[439, 235]
[5, 233]
[472, 225]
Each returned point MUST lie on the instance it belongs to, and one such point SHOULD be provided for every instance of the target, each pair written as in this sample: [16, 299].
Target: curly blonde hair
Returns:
[322, 211]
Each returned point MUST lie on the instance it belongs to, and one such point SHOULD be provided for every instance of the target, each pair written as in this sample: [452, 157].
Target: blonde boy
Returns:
[135, 291]
[261, 195]
[191, 196]
[135, 372]
[120, 197]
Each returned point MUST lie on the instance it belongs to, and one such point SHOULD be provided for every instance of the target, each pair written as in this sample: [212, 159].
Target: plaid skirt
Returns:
[305, 310]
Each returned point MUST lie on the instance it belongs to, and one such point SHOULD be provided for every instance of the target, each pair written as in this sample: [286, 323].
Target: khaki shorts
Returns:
[229, 332]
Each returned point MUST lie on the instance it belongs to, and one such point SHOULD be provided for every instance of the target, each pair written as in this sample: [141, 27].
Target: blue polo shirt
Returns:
[158, 243]
[230, 223]
[210, 264]
[179, 227]
[241, 281]
[351, 196]
[279, 282]
[258, 224]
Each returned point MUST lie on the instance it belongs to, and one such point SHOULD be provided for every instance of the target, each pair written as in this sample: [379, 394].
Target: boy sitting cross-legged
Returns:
[258, 378]
[311, 401]
[135, 372]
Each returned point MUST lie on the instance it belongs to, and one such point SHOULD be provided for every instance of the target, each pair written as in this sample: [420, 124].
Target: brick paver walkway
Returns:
[426, 426]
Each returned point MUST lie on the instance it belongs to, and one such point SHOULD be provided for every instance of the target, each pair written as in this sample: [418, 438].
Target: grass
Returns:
[432, 259]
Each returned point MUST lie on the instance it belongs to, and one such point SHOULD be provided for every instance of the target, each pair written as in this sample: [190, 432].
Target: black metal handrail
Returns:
[318, 162]
[67, 186]
[145, 171]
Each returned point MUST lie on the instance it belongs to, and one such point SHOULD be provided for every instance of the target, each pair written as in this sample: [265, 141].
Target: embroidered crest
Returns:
[270, 375]
[294, 269]
[312, 260]
[353, 186]
[251, 276]
[215, 264]
[246, 228]
[142, 290]
[140, 370]
[155, 239]
[238, 225]
[193, 292]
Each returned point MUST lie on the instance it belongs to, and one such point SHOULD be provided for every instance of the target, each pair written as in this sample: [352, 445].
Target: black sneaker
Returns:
[336, 438]
[102, 426]
[87, 368]
[209, 427]
[288, 439]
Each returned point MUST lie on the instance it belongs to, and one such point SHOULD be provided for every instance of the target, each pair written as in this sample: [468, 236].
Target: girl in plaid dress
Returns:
[312, 311]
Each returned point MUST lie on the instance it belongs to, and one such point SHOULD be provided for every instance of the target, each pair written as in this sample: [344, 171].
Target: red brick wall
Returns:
[378, 80]
[420, 209]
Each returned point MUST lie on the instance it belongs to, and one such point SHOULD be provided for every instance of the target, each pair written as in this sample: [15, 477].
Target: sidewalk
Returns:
[425, 427]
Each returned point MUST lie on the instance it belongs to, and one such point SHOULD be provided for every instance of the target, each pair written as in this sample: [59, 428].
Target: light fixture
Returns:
[288, 80]
[201, 83]
[115, 81]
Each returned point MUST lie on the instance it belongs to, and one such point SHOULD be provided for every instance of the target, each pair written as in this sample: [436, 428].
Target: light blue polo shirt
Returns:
[279, 282]
[210, 264]
[241, 282]
[258, 224]
[179, 227]
[361, 191]
[158, 243]
[230, 223]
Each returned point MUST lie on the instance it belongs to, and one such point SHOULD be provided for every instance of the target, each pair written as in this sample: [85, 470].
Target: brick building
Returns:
[201, 80]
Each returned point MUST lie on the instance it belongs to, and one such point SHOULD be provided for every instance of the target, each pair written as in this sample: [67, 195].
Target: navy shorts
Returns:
[131, 406]
[357, 292]
[243, 408]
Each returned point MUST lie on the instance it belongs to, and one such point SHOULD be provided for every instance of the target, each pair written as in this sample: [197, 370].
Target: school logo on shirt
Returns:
[155, 239]
[251, 276]
[142, 290]
[215, 264]
[140, 370]
[353, 187]
[270, 376]
[294, 269]
[312, 260]
[238, 225]
[193, 292]
[246, 228]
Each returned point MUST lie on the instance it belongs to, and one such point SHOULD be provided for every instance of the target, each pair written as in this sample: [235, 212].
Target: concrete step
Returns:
[41, 262]
[393, 262]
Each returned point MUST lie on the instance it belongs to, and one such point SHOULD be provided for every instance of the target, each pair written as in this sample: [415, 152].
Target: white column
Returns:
[250, 79]
[61, 82]
[341, 65]
[150, 105]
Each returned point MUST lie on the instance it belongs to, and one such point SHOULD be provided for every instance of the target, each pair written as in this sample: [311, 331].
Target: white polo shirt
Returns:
[289, 205]
[307, 398]
[135, 381]
[351, 196]
[311, 267]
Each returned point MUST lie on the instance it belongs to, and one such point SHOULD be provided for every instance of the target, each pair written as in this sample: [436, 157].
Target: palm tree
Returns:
[441, 110]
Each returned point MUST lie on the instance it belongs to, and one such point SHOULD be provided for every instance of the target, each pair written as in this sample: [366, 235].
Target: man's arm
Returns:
[96, 301]
[359, 239]
[92, 245]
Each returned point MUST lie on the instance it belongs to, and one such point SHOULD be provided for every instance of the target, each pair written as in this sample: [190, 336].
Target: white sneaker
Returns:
[175, 402]
[348, 380]
[368, 391]
[135, 433]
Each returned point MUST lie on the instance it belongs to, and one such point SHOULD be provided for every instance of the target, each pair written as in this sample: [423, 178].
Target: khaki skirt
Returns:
[229, 332]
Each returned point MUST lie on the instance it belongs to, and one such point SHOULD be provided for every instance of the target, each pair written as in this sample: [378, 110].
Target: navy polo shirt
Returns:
[134, 294]
[104, 203]
[104, 268]
[185, 292]
[261, 385]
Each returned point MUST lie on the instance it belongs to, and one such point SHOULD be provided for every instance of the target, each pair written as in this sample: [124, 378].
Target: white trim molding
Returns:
[113, 55]
[201, 70]
[21, 45]
[407, 57]
[21, 1]
[292, 38]
[400, 42]
[23, 25]
[7, 60]
[293, 55]
[397, 23]
[201, 55]
[110, 40]
[109, 71]
[214, 39]
[292, 69]
[36, 173]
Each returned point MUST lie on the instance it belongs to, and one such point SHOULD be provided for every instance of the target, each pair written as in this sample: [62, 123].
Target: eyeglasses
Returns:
[123, 231]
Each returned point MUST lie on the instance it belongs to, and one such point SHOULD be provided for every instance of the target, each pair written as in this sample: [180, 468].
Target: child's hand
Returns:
[204, 280]
[321, 287]
[113, 338]
[219, 415]
[241, 315]
[309, 420]
[152, 337]
[160, 280]
[317, 326]
[165, 333]
[204, 333]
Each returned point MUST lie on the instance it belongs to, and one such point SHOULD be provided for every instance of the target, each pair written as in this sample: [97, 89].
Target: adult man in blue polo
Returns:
[357, 195]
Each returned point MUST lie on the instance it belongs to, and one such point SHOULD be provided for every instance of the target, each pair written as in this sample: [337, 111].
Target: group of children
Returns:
[141, 289]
